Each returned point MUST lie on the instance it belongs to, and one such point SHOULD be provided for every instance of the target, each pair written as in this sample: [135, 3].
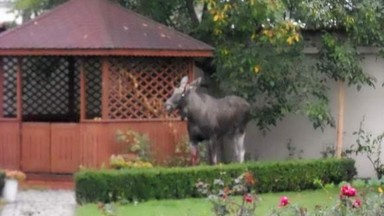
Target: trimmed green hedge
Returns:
[164, 183]
[2, 178]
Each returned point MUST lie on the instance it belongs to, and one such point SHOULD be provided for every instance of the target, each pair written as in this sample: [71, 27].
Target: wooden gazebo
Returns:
[70, 78]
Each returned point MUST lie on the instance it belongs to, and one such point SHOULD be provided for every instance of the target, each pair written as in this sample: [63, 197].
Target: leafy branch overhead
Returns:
[260, 47]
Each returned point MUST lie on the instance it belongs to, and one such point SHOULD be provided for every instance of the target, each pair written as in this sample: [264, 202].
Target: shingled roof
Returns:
[98, 27]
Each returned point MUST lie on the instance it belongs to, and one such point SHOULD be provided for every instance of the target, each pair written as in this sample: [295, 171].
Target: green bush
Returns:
[164, 183]
[2, 177]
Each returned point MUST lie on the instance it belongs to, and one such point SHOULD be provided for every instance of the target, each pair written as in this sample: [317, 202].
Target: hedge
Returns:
[2, 178]
[175, 183]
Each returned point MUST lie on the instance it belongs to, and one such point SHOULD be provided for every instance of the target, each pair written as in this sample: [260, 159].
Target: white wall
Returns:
[368, 102]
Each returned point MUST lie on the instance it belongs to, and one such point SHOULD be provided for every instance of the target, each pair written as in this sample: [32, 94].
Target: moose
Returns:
[219, 121]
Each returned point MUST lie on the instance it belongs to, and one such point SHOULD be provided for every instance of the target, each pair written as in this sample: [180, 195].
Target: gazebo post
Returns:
[71, 86]
[1, 88]
[19, 111]
[82, 91]
[19, 90]
[105, 88]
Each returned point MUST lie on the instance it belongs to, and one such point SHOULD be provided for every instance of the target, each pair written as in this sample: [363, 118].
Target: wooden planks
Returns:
[9, 145]
[63, 147]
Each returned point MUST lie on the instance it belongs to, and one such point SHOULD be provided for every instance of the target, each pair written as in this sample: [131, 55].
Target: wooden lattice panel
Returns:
[138, 87]
[9, 86]
[92, 69]
[50, 88]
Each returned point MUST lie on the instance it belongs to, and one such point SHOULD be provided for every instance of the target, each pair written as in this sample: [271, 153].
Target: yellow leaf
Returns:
[290, 40]
[253, 37]
[268, 33]
[380, 190]
[256, 69]
[227, 7]
[216, 17]
[217, 31]
[296, 37]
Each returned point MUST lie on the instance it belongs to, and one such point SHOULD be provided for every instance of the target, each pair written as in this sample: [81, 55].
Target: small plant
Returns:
[182, 154]
[371, 147]
[293, 152]
[219, 193]
[107, 209]
[15, 174]
[118, 162]
[330, 152]
[135, 143]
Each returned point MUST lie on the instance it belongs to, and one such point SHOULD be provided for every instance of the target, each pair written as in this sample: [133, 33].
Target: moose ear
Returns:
[183, 82]
[196, 82]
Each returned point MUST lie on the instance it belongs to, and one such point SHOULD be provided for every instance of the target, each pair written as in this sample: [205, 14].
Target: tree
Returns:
[260, 52]
[259, 47]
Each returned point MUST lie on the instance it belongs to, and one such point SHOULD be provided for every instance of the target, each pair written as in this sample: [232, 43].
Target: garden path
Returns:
[41, 203]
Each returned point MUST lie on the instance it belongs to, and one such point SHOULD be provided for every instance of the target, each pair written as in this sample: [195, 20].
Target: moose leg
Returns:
[194, 153]
[239, 146]
[212, 151]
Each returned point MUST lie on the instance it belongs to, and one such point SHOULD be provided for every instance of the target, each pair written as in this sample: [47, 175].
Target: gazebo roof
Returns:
[98, 27]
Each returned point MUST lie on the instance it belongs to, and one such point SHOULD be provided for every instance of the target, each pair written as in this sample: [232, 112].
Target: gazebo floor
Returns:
[48, 181]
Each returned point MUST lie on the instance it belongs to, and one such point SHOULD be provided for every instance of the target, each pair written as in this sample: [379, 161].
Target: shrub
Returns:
[165, 183]
[219, 193]
[2, 177]
[118, 162]
[135, 143]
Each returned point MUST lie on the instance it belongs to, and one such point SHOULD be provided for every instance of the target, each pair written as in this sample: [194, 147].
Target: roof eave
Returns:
[104, 52]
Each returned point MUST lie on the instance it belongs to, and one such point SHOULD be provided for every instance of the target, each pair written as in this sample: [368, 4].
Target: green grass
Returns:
[202, 207]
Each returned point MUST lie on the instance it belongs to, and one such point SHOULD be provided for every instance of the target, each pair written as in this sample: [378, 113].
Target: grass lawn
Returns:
[202, 207]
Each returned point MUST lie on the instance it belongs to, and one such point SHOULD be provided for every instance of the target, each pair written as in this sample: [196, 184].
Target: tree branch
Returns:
[192, 13]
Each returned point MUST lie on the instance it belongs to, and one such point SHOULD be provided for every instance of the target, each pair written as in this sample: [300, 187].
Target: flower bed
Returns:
[166, 183]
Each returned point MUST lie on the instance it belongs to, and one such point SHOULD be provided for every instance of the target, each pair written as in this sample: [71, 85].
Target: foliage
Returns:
[367, 202]
[293, 152]
[371, 147]
[182, 154]
[15, 174]
[260, 47]
[220, 195]
[136, 143]
[166, 183]
[330, 152]
[339, 60]
[119, 162]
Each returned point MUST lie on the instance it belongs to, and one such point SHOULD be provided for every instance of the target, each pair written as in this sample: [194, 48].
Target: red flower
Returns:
[347, 190]
[352, 192]
[248, 198]
[284, 201]
[356, 203]
[248, 177]
[223, 194]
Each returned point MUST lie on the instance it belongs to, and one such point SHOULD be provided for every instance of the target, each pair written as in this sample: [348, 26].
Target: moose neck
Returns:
[196, 104]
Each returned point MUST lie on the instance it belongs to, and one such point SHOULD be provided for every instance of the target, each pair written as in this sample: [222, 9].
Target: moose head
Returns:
[176, 100]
